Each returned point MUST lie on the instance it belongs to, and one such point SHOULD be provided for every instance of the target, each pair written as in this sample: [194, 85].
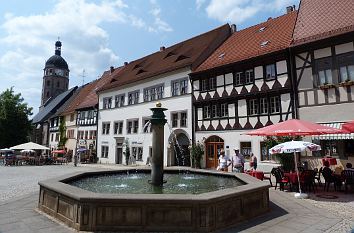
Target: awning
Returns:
[334, 136]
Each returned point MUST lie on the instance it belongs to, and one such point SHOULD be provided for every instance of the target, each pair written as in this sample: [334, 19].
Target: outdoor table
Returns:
[258, 174]
[292, 176]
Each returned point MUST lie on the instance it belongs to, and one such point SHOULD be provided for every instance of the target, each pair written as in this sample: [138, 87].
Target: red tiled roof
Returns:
[187, 53]
[319, 19]
[247, 43]
[92, 99]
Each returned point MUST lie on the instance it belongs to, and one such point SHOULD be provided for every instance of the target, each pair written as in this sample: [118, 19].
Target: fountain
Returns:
[171, 199]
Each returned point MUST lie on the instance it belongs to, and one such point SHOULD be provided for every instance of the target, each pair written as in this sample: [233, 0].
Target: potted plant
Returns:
[196, 154]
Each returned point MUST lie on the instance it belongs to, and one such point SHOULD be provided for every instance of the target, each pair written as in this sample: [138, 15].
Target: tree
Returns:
[62, 133]
[15, 126]
[196, 154]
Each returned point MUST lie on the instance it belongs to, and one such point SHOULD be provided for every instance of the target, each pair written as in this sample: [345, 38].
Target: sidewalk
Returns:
[287, 215]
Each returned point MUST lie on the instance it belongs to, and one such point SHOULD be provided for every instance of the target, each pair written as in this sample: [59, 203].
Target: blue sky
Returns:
[97, 34]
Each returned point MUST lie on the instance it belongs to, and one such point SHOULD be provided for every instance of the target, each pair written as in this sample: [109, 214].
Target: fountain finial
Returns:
[158, 105]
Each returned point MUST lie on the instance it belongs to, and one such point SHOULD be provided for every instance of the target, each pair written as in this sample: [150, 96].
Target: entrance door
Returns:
[213, 146]
[119, 155]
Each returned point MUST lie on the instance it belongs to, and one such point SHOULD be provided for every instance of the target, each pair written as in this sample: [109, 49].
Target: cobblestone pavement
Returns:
[19, 197]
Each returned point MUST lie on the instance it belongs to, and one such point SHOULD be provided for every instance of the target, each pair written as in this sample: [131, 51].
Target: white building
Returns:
[124, 103]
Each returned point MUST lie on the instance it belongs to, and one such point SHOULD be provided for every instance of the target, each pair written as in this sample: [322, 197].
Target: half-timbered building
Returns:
[323, 52]
[124, 103]
[245, 84]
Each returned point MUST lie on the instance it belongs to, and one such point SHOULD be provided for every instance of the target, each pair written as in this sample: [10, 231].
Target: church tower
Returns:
[56, 75]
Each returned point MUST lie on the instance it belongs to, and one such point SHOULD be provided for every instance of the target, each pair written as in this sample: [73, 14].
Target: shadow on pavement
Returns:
[274, 212]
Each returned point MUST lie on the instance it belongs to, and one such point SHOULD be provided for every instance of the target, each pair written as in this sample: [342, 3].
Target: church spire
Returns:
[58, 47]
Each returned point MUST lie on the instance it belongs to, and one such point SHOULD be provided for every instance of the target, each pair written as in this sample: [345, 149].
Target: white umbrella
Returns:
[293, 147]
[29, 146]
[27, 151]
[6, 150]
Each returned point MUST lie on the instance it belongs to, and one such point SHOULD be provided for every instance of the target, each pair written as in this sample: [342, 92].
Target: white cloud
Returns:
[29, 40]
[238, 11]
[199, 3]
[159, 24]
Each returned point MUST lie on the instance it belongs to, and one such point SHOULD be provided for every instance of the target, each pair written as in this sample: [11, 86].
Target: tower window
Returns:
[57, 84]
[47, 93]
[48, 83]
[50, 71]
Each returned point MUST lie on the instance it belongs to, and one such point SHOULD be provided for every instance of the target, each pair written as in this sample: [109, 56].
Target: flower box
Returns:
[346, 83]
[327, 86]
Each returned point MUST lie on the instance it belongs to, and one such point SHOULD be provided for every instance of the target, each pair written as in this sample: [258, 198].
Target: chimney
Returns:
[126, 63]
[162, 48]
[111, 69]
[290, 9]
[233, 28]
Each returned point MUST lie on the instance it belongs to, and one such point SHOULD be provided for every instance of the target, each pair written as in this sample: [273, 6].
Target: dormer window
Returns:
[262, 29]
[264, 43]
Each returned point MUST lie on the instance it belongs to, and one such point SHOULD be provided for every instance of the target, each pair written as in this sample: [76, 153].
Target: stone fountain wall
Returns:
[87, 211]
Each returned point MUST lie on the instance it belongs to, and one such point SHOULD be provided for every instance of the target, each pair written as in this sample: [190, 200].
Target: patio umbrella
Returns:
[29, 146]
[58, 152]
[295, 127]
[349, 126]
[6, 150]
[293, 147]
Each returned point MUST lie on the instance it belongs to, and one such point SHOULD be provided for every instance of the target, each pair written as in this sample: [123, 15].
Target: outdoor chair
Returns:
[329, 178]
[318, 176]
[307, 180]
[268, 178]
[348, 177]
[280, 179]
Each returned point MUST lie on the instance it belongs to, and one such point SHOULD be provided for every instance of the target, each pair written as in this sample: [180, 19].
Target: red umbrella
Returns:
[295, 127]
[58, 152]
[349, 126]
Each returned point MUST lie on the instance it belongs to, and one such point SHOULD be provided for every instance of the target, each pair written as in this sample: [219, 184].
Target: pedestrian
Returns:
[253, 162]
[238, 161]
[223, 161]
[76, 158]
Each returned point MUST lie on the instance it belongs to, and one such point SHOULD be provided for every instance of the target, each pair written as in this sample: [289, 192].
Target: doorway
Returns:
[119, 150]
[213, 146]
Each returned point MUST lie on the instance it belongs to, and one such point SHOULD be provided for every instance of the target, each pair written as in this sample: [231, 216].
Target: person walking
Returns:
[237, 161]
[253, 162]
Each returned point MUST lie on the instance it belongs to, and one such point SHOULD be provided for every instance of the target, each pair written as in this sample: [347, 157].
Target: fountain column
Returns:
[158, 122]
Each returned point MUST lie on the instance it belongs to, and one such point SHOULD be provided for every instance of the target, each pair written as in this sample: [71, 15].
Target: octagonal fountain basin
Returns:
[123, 200]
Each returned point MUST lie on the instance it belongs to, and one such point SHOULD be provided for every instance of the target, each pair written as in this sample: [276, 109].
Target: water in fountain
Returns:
[185, 183]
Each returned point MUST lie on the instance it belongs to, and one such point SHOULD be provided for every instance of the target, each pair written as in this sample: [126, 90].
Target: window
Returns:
[214, 111]
[212, 83]
[263, 106]
[90, 114]
[224, 110]
[82, 115]
[86, 134]
[132, 126]
[133, 97]
[137, 153]
[107, 102]
[206, 112]
[70, 133]
[52, 137]
[252, 107]
[105, 127]
[245, 148]
[118, 127]
[135, 126]
[57, 84]
[174, 120]
[274, 104]
[179, 87]
[238, 78]
[324, 70]
[204, 85]
[153, 93]
[48, 83]
[57, 137]
[183, 122]
[119, 101]
[249, 74]
[104, 151]
[270, 72]
[72, 117]
[346, 67]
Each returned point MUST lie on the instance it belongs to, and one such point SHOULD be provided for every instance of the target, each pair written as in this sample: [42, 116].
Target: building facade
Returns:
[124, 104]
[323, 53]
[244, 85]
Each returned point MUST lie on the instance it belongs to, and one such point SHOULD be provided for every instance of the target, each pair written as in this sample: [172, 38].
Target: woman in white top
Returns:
[223, 162]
